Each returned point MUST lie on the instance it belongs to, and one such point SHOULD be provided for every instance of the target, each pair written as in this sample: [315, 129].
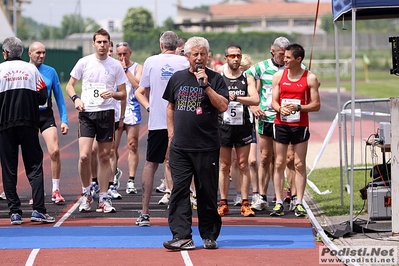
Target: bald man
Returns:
[47, 125]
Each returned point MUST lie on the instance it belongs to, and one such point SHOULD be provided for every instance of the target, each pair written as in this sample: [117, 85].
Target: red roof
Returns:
[272, 8]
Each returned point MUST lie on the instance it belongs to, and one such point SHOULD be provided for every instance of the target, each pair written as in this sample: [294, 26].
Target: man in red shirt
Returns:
[295, 93]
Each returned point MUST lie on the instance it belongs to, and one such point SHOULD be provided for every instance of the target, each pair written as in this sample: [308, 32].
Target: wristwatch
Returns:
[298, 107]
[206, 86]
[148, 109]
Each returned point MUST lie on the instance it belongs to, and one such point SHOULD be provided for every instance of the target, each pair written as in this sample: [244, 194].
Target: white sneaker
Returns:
[106, 207]
[117, 178]
[84, 205]
[113, 193]
[161, 188]
[165, 199]
[3, 196]
[237, 200]
[130, 189]
[258, 203]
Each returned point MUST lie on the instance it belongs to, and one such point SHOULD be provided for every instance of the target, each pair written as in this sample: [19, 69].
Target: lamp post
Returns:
[51, 20]
[14, 16]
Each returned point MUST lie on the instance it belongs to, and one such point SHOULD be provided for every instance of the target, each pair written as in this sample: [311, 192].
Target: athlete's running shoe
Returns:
[258, 203]
[56, 197]
[106, 207]
[278, 210]
[113, 193]
[130, 188]
[299, 210]
[3, 196]
[237, 200]
[117, 178]
[193, 200]
[162, 187]
[246, 210]
[223, 209]
[143, 220]
[85, 203]
[165, 199]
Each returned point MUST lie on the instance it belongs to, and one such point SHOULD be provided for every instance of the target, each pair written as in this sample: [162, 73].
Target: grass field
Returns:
[330, 204]
[380, 84]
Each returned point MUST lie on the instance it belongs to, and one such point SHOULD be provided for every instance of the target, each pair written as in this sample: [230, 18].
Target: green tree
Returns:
[23, 31]
[327, 23]
[50, 32]
[137, 20]
[168, 24]
[76, 24]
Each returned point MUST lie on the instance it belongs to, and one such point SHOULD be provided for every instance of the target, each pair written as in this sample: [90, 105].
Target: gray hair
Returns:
[169, 40]
[280, 42]
[196, 42]
[13, 46]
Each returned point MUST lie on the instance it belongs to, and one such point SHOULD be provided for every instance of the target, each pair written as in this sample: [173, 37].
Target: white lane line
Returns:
[32, 257]
[34, 252]
[186, 258]
[68, 213]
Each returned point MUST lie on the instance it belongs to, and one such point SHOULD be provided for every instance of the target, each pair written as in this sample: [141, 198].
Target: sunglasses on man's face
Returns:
[121, 44]
[232, 56]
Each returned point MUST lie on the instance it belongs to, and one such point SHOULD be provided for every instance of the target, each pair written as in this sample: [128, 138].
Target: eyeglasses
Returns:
[232, 56]
[122, 44]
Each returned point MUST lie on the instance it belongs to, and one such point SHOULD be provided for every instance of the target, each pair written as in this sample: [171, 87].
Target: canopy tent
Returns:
[365, 9]
[354, 10]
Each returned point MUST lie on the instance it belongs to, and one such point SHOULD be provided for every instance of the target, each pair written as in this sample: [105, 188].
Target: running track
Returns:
[114, 239]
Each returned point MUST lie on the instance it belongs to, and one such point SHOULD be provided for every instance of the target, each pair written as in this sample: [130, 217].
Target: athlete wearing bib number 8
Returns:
[236, 128]
[100, 74]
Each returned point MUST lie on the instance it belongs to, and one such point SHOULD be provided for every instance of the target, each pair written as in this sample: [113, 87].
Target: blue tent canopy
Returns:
[365, 9]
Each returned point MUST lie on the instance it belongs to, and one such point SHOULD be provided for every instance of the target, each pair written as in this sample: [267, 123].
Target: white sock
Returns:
[86, 190]
[56, 184]
[298, 202]
[103, 195]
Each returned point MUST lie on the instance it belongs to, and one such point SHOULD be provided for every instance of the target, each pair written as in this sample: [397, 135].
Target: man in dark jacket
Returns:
[22, 90]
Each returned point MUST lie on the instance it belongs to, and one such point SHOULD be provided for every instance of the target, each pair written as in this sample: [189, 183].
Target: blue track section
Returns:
[150, 237]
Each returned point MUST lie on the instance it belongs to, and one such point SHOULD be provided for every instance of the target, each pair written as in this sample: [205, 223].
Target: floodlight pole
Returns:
[14, 14]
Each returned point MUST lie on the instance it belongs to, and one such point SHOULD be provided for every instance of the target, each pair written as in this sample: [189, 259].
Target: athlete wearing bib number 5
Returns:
[295, 93]
[100, 74]
[236, 129]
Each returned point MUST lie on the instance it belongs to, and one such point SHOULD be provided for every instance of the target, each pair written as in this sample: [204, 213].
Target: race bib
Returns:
[294, 116]
[91, 94]
[234, 114]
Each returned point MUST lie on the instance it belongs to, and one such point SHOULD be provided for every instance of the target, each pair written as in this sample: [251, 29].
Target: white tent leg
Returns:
[338, 79]
[353, 114]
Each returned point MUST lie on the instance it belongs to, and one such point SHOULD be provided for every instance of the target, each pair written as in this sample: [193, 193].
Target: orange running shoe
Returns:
[246, 210]
[223, 210]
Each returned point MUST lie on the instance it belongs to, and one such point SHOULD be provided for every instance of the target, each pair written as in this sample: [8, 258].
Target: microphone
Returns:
[201, 80]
